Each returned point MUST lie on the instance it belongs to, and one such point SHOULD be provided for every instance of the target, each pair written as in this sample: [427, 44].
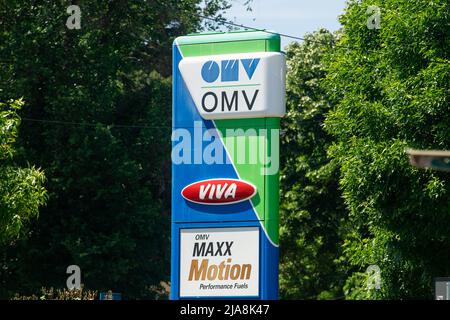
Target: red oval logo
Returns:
[218, 191]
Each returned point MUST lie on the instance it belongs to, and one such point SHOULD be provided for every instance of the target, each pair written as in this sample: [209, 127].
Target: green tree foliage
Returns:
[98, 122]
[312, 211]
[21, 189]
[391, 90]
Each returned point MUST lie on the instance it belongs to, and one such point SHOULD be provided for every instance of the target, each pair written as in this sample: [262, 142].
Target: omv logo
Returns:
[234, 86]
[228, 69]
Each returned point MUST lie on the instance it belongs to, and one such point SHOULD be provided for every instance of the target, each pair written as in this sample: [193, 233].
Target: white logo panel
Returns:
[232, 86]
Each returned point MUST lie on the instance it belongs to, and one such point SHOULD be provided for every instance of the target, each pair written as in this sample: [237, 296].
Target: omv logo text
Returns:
[228, 70]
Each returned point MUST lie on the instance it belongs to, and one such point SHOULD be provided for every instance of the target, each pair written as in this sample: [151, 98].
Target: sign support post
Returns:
[228, 98]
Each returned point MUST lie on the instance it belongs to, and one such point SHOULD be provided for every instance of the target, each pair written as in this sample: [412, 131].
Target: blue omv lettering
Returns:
[210, 71]
[250, 66]
[229, 69]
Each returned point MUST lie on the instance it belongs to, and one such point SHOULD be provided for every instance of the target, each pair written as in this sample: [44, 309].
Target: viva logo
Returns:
[228, 70]
[218, 191]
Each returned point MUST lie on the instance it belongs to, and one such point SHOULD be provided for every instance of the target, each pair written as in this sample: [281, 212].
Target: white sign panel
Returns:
[244, 85]
[219, 262]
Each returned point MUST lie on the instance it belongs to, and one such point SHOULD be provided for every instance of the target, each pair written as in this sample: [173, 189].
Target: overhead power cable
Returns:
[225, 22]
[221, 21]
[87, 124]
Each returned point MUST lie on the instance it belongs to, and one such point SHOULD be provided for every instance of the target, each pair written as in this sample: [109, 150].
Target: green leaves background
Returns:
[97, 119]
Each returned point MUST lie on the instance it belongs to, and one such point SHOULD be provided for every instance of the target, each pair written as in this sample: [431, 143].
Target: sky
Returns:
[293, 17]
